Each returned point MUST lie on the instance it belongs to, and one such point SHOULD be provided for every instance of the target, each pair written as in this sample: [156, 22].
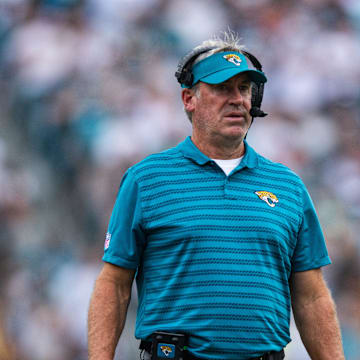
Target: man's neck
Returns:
[220, 150]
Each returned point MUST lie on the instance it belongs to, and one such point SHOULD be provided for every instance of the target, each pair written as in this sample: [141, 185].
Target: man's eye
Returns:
[221, 87]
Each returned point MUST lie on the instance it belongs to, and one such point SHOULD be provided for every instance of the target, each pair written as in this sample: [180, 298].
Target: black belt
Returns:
[271, 355]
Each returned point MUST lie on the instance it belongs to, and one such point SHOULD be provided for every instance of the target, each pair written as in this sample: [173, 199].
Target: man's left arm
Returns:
[315, 315]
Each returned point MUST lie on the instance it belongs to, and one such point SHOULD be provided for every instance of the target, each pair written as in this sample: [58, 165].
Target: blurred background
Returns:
[87, 88]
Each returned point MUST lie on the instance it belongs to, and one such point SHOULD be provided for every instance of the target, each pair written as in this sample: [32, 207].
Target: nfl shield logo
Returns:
[107, 240]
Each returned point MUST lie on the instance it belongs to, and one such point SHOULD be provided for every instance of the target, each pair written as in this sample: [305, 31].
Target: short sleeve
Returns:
[310, 252]
[125, 239]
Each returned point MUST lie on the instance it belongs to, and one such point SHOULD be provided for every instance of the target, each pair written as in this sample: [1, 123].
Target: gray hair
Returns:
[226, 41]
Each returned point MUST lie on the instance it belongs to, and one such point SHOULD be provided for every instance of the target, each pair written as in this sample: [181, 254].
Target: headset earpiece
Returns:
[258, 89]
[256, 99]
[183, 73]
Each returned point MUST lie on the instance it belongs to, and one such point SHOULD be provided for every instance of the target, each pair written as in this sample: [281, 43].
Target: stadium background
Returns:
[88, 88]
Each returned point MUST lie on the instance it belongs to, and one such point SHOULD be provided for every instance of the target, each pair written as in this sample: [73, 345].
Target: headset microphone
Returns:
[257, 112]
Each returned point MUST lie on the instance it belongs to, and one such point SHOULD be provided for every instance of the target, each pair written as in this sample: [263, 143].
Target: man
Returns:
[223, 242]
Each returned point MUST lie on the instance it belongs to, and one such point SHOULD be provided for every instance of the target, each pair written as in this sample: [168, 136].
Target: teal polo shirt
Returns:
[214, 253]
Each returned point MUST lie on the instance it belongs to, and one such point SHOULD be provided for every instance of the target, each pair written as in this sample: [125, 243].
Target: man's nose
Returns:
[236, 97]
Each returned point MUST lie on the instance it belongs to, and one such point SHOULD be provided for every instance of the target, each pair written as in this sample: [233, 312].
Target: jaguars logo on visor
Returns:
[233, 58]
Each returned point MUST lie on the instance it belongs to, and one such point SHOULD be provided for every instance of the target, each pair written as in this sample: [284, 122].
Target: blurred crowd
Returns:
[87, 88]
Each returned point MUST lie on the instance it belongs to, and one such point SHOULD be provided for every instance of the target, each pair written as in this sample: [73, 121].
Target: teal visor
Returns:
[222, 66]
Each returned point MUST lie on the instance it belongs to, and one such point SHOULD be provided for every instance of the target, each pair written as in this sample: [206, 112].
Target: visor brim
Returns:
[225, 74]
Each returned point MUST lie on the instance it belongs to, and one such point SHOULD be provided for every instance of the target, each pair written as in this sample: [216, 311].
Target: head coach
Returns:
[223, 243]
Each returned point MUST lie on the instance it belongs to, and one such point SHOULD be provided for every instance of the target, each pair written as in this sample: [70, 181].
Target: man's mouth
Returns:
[235, 115]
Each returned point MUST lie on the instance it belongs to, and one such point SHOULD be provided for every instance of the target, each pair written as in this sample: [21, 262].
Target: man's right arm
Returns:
[107, 312]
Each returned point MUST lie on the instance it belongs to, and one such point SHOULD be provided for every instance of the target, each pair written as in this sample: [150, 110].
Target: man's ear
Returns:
[189, 98]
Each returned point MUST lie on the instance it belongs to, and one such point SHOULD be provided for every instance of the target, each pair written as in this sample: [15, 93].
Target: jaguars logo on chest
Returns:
[267, 196]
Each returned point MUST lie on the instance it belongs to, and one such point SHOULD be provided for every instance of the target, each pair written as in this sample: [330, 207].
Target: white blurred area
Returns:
[88, 89]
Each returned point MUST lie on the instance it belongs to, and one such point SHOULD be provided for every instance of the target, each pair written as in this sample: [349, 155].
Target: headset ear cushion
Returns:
[254, 93]
[257, 91]
[260, 93]
[187, 77]
[183, 72]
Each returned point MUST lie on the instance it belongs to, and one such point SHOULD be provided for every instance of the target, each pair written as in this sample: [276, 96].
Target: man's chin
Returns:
[234, 134]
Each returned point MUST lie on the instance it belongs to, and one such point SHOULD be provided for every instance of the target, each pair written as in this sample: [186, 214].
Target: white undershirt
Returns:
[229, 165]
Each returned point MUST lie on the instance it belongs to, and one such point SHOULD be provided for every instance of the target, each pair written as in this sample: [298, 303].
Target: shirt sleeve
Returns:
[310, 252]
[125, 238]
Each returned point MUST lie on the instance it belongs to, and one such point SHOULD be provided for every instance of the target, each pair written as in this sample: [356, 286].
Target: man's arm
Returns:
[315, 315]
[107, 312]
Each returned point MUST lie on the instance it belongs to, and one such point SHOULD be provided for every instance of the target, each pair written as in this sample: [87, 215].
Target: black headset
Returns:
[185, 76]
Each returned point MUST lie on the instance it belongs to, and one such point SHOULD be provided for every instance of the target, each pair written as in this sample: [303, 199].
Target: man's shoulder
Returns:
[278, 169]
[155, 162]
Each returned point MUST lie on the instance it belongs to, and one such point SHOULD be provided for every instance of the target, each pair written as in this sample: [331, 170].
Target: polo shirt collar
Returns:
[190, 151]
[251, 157]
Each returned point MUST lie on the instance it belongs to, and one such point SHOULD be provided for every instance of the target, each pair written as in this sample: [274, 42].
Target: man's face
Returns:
[220, 112]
